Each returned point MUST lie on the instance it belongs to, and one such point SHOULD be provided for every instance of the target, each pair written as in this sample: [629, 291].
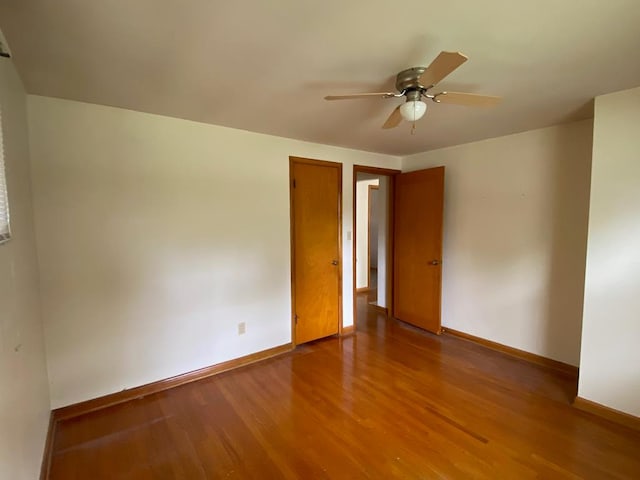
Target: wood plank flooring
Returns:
[388, 402]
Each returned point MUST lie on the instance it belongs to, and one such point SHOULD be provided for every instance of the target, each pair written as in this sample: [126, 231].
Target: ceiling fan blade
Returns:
[443, 65]
[359, 95]
[470, 99]
[394, 119]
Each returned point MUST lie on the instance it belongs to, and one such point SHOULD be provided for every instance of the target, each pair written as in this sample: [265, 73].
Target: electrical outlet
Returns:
[242, 328]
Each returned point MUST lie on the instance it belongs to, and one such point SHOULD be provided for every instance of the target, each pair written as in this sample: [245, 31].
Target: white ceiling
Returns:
[265, 66]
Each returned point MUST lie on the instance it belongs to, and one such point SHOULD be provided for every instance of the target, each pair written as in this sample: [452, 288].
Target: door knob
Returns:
[334, 262]
[434, 262]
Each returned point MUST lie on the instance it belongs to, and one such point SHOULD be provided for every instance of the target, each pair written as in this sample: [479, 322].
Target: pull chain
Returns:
[413, 128]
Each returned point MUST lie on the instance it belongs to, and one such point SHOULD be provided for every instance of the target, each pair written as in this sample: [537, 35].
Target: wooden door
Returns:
[316, 219]
[417, 279]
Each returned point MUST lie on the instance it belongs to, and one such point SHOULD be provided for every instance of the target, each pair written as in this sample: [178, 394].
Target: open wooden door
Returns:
[417, 236]
[316, 254]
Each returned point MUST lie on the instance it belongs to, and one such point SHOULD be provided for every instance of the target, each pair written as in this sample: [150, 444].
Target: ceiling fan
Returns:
[414, 84]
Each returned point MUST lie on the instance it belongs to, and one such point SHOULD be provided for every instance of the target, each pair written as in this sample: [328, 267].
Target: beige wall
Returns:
[24, 395]
[157, 236]
[515, 234]
[610, 361]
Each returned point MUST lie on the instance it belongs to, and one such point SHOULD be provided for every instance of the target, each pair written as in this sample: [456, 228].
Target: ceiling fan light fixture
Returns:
[414, 84]
[413, 110]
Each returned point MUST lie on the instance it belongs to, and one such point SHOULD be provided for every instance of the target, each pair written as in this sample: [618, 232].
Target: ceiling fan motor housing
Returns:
[408, 80]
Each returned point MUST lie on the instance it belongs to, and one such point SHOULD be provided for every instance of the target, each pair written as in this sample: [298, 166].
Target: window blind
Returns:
[4, 201]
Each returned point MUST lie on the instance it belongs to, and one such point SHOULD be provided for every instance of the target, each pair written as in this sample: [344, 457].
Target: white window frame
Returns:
[5, 220]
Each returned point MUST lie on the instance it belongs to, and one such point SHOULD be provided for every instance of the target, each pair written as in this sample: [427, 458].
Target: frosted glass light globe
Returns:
[413, 110]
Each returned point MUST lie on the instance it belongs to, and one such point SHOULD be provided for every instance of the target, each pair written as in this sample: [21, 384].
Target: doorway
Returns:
[316, 253]
[367, 220]
[373, 238]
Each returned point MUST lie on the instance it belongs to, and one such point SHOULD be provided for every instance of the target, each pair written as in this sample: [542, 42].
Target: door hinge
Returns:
[295, 319]
[294, 183]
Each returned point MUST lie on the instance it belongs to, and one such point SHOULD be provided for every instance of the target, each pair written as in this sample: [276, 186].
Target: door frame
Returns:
[390, 173]
[323, 163]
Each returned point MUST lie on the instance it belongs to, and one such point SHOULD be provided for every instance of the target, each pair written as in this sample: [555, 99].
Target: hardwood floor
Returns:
[388, 402]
